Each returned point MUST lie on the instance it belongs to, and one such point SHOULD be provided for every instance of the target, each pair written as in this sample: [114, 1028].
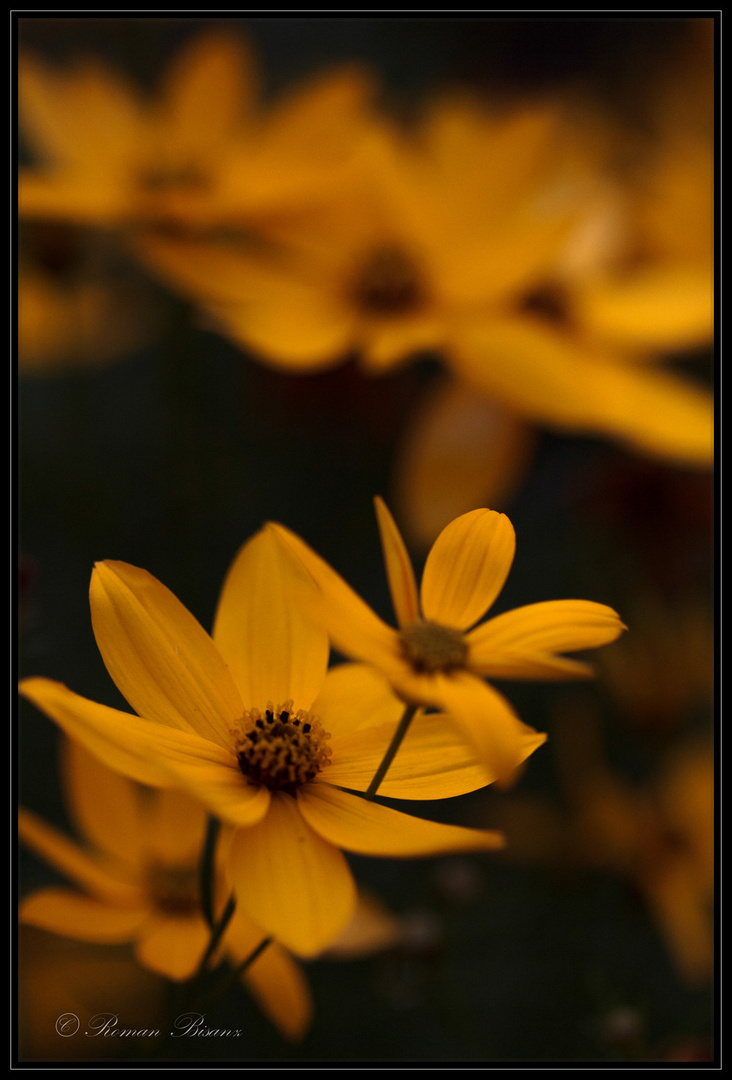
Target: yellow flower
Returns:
[250, 725]
[435, 659]
[201, 151]
[140, 876]
[455, 242]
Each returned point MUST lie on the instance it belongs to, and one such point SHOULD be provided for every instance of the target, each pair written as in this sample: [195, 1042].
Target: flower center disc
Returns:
[279, 748]
[388, 283]
[430, 647]
[175, 890]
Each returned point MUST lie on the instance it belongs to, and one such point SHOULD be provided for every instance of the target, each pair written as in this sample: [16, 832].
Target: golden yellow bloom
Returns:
[201, 152]
[250, 724]
[140, 875]
[457, 241]
[435, 659]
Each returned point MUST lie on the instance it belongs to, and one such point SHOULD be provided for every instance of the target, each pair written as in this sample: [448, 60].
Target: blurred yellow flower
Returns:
[201, 151]
[491, 239]
[250, 724]
[435, 659]
[660, 836]
[57, 976]
[139, 870]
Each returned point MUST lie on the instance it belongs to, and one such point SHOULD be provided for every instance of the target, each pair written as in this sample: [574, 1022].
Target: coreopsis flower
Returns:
[249, 723]
[139, 872]
[457, 242]
[435, 659]
[201, 154]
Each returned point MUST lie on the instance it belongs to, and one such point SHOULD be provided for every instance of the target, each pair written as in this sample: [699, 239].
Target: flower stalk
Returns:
[390, 754]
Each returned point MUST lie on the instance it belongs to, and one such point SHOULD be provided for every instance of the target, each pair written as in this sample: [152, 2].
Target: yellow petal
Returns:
[386, 343]
[467, 567]
[433, 762]
[663, 307]
[108, 733]
[398, 567]
[207, 90]
[521, 643]
[160, 657]
[352, 626]
[367, 828]
[71, 195]
[86, 870]
[372, 929]
[64, 912]
[291, 323]
[105, 804]
[275, 980]
[461, 450]
[572, 385]
[274, 651]
[281, 990]
[174, 828]
[684, 914]
[356, 696]
[289, 880]
[486, 720]
[152, 753]
[173, 947]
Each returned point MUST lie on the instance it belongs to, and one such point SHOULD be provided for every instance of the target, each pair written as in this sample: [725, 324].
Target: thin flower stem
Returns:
[232, 976]
[394, 745]
[192, 987]
[207, 871]
[216, 934]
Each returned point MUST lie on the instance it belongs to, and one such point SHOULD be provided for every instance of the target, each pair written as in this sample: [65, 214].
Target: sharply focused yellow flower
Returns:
[139, 870]
[434, 658]
[201, 154]
[250, 724]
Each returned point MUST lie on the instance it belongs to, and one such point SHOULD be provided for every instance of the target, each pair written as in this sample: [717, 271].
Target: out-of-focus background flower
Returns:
[271, 267]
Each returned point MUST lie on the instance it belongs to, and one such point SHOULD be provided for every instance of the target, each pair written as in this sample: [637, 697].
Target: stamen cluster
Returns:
[388, 283]
[280, 748]
[430, 647]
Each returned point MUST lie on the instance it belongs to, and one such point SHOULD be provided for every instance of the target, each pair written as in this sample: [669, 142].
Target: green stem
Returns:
[394, 745]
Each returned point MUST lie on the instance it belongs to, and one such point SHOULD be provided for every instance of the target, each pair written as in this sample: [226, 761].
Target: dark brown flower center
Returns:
[549, 302]
[280, 748]
[430, 647]
[175, 890]
[162, 180]
[388, 283]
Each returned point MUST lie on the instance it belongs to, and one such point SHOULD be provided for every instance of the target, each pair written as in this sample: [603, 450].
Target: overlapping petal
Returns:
[352, 626]
[368, 828]
[487, 721]
[104, 804]
[160, 657]
[432, 762]
[173, 946]
[153, 753]
[355, 696]
[289, 880]
[275, 979]
[273, 649]
[85, 869]
[467, 567]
